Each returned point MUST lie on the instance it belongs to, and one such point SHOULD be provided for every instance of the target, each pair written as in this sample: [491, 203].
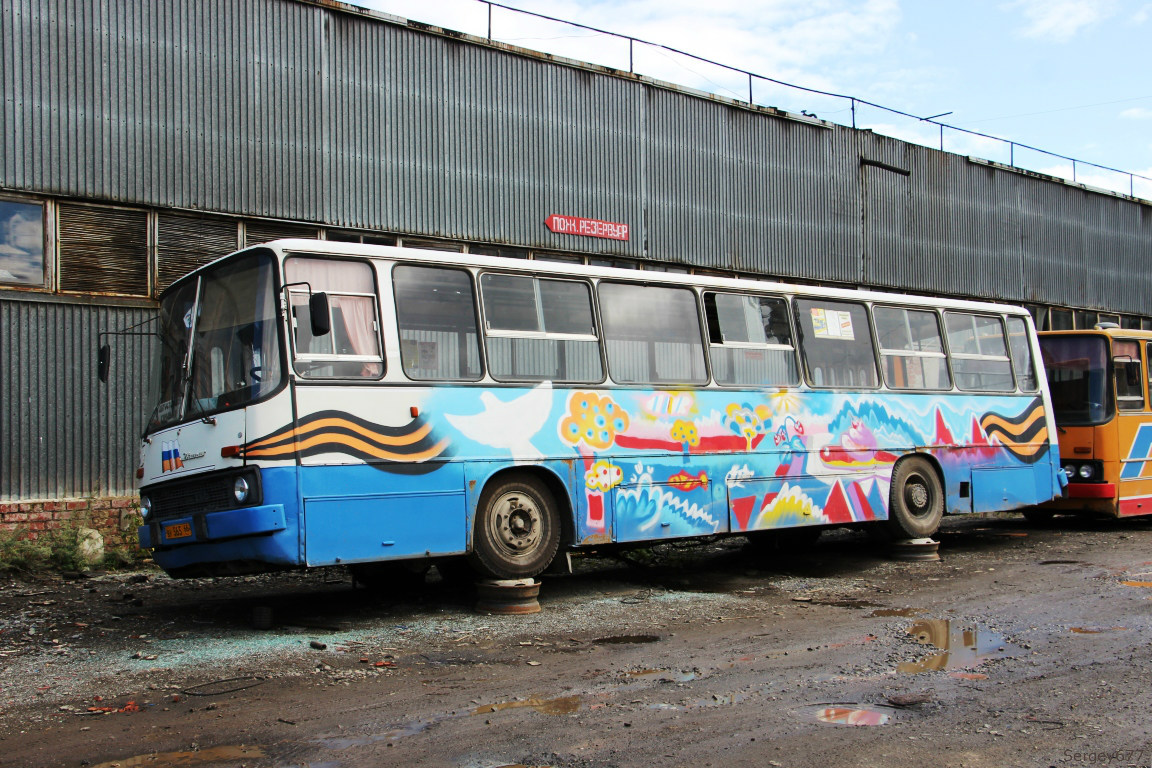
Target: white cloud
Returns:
[783, 39]
[1137, 113]
[1143, 14]
[1060, 20]
[24, 233]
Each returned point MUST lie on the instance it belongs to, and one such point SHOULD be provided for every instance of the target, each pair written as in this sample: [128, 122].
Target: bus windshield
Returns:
[1078, 374]
[227, 315]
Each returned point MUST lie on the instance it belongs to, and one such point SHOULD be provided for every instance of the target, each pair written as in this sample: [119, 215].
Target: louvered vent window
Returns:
[262, 231]
[184, 243]
[103, 250]
[432, 245]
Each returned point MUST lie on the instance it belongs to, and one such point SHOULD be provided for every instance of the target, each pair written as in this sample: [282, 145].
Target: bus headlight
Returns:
[240, 490]
[1070, 471]
[1086, 471]
[145, 506]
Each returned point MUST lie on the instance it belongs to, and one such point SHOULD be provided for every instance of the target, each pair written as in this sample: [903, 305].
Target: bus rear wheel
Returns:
[916, 499]
[517, 529]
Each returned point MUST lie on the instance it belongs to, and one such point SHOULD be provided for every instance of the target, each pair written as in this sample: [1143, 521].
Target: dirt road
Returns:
[1023, 646]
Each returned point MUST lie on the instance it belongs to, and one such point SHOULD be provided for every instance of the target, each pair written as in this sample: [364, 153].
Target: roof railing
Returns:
[853, 102]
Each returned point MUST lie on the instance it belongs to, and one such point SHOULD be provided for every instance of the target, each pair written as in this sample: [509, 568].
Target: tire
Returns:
[517, 529]
[916, 499]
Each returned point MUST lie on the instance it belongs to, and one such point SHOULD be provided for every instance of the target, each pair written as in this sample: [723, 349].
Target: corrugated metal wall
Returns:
[61, 433]
[294, 110]
[300, 112]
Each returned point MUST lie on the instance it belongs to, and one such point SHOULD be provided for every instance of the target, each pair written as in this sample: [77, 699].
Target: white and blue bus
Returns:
[327, 403]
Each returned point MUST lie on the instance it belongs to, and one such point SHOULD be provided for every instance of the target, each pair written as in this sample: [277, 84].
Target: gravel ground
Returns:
[1023, 645]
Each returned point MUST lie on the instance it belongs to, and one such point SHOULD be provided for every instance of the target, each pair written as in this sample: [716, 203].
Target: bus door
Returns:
[371, 483]
[1133, 446]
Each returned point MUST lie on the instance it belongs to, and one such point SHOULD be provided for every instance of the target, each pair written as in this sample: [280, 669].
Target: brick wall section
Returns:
[110, 516]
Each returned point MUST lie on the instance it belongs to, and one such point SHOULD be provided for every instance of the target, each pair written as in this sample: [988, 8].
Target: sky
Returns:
[1070, 77]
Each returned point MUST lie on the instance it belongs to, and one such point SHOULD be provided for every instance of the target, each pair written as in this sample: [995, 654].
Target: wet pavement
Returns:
[1023, 645]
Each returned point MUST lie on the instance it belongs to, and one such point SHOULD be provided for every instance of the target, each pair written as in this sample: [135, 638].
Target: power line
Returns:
[1061, 109]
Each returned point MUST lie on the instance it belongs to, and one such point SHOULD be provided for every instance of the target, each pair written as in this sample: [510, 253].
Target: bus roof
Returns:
[560, 269]
[1127, 333]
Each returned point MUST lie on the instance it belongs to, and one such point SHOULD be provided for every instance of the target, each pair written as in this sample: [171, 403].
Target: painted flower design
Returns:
[603, 476]
[684, 431]
[747, 420]
[593, 420]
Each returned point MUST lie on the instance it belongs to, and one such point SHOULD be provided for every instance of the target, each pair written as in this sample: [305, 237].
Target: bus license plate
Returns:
[178, 531]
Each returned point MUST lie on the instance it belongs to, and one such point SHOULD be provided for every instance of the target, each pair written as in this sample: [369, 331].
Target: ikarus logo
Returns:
[170, 456]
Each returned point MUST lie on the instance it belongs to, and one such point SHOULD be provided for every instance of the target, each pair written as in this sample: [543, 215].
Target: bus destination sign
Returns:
[575, 225]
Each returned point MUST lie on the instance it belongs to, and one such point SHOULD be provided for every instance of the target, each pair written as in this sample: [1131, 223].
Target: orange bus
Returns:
[1099, 384]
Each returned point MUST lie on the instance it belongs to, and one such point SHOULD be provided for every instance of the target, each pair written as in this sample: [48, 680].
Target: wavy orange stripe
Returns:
[999, 421]
[408, 439]
[358, 445]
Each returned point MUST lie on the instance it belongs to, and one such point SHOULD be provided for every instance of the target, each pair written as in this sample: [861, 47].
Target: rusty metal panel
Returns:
[61, 434]
[793, 213]
[1056, 263]
[1118, 251]
[442, 138]
[308, 113]
[687, 166]
[936, 223]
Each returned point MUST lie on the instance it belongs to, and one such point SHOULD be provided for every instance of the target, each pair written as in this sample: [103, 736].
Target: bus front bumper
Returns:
[1091, 491]
[212, 526]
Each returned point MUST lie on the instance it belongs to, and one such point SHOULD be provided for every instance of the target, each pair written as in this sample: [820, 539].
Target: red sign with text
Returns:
[575, 225]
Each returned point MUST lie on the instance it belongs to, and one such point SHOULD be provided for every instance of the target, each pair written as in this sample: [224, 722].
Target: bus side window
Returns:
[1148, 353]
[436, 312]
[539, 329]
[351, 350]
[979, 352]
[836, 345]
[652, 334]
[911, 348]
[1129, 375]
[750, 340]
[1022, 362]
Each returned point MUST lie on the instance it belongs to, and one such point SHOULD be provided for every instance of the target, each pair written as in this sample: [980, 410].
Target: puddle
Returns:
[623, 639]
[715, 700]
[962, 648]
[564, 705]
[968, 675]
[210, 755]
[1096, 630]
[407, 729]
[846, 603]
[1137, 583]
[850, 716]
[896, 612]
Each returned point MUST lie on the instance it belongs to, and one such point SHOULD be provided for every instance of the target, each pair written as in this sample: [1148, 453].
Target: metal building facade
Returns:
[320, 113]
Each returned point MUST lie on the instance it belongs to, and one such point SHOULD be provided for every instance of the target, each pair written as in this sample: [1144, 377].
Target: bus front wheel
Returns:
[517, 529]
[916, 500]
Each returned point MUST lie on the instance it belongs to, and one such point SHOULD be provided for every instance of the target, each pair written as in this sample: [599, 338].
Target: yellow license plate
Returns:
[178, 531]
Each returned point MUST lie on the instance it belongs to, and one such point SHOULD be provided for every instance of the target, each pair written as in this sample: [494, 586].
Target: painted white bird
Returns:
[508, 425]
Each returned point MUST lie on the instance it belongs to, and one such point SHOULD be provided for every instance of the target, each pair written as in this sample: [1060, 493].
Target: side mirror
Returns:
[102, 362]
[318, 314]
